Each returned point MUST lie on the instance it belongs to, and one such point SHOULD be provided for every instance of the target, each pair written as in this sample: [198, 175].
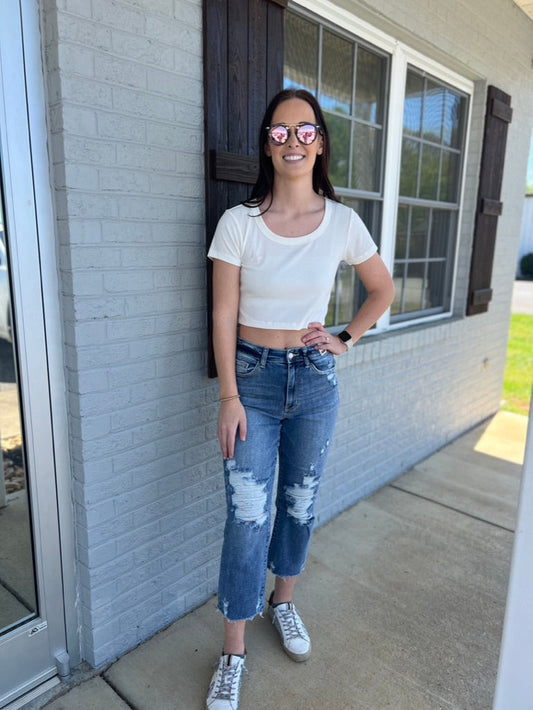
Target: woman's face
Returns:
[294, 158]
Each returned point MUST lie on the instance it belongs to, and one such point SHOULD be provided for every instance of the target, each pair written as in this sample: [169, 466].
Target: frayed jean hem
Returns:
[272, 568]
[234, 621]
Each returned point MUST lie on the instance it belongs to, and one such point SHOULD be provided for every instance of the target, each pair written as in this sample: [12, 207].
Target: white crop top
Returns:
[286, 281]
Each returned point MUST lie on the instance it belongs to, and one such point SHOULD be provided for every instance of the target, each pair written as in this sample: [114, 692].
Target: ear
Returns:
[268, 152]
[320, 148]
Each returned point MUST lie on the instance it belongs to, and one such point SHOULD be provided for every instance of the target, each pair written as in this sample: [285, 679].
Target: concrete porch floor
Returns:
[404, 598]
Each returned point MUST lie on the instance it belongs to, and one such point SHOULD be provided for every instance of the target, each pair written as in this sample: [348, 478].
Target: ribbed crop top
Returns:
[286, 281]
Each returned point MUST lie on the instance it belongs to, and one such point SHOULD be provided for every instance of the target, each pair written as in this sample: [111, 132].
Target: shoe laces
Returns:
[291, 622]
[227, 685]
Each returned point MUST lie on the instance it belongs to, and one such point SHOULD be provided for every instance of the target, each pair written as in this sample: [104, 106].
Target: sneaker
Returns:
[294, 637]
[223, 693]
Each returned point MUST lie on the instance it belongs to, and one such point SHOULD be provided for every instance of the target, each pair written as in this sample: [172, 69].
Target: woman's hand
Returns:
[231, 417]
[319, 338]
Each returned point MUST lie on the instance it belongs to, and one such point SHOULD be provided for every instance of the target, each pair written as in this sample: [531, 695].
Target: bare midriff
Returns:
[276, 339]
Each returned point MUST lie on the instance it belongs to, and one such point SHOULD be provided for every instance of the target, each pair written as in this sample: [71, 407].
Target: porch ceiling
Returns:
[526, 6]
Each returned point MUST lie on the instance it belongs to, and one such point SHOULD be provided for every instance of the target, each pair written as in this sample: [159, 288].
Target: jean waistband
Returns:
[302, 354]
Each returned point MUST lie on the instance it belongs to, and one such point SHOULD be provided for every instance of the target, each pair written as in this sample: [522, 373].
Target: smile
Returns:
[293, 158]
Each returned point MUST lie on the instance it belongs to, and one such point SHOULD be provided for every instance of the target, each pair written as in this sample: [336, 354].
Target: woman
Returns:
[275, 259]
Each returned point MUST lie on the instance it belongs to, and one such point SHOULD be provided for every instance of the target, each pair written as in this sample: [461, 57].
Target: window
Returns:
[354, 79]
[350, 80]
[434, 118]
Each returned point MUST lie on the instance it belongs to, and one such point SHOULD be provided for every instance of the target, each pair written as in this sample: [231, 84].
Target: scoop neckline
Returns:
[295, 240]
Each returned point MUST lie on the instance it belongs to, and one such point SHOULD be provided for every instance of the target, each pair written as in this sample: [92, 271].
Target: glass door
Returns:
[18, 598]
[32, 611]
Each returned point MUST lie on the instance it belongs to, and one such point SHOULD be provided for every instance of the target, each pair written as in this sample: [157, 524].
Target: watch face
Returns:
[344, 336]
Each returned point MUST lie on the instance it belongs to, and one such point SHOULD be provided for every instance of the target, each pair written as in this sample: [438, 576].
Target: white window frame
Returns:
[402, 56]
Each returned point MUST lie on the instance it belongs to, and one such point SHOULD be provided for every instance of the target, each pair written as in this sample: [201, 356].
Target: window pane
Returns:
[454, 115]
[301, 53]
[345, 296]
[339, 131]
[433, 111]
[429, 172]
[418, 240]
[401, 233]
[346, 306]
[366, 158]
[412, 114]
[409, 167]
[449, 181]
[434, 293]
[443, 227]
[414, 288]
[336, 85]
[329, 320]
[369, 86]
[398, 278]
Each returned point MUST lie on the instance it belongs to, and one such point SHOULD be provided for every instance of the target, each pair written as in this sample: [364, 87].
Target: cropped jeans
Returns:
[291, 401]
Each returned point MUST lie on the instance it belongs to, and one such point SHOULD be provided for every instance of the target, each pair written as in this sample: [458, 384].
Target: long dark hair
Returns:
[265, 180]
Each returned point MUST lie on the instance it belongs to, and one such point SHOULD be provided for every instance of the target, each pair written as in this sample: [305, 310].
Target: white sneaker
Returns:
[223, 693]
[294, 637]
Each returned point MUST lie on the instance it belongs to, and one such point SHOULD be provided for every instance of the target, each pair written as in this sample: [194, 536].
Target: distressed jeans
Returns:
[291, 401]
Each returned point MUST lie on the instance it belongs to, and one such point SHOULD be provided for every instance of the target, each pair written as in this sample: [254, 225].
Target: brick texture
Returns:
[125, 93]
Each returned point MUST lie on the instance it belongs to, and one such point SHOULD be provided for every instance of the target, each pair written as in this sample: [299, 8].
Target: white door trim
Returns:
[36, 97]
[29, 652]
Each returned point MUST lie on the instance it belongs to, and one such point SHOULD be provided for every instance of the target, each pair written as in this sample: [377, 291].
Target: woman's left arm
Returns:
[380, 288]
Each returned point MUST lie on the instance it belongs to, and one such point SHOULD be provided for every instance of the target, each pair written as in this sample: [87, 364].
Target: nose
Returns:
[292, 140]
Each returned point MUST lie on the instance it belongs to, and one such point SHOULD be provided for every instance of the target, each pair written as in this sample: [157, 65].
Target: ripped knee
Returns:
[300, 499]
[248, 496]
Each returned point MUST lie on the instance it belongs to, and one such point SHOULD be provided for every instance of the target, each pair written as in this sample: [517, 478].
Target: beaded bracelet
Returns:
[227, 399]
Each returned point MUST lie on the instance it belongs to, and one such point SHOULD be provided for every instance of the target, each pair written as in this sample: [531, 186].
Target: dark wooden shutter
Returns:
[497, 117]
[243, 69]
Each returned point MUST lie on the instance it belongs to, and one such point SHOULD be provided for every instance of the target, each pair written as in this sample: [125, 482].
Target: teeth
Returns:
[293, 157]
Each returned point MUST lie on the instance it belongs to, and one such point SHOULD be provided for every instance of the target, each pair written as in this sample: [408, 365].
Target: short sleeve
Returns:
[227, 241]
[359, 244]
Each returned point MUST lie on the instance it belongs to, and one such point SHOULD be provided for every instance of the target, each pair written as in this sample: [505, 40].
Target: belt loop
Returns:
[264, 356]
[305, 356]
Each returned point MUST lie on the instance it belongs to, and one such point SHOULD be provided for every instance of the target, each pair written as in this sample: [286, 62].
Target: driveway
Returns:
[522, 298]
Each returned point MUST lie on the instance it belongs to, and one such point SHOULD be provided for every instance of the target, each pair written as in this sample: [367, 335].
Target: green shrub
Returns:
[526, 266]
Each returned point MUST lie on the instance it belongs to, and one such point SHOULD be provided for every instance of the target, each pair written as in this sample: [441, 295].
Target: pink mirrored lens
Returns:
[306, 134]
[279, 134]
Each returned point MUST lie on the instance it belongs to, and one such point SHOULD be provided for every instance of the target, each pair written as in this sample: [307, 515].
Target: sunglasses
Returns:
[306, 133]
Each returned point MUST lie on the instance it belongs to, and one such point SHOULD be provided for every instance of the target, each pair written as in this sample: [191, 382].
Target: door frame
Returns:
[29, 211]
[33, 46]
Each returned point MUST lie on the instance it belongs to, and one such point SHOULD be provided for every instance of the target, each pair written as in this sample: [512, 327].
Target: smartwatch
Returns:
[346, 339]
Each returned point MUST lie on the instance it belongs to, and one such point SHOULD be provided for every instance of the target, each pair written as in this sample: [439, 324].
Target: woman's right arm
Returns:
[226, 291]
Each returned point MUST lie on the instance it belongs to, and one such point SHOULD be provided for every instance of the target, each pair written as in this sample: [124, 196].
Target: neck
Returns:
[294, 196]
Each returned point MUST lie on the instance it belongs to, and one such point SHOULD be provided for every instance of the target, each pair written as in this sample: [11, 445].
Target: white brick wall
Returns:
[125, 105]
[125, 109]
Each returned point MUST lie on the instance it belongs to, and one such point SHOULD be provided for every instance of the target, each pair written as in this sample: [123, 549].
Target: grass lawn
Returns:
[518, 378]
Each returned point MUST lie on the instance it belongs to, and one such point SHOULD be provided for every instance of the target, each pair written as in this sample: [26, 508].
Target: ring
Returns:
[327, 340]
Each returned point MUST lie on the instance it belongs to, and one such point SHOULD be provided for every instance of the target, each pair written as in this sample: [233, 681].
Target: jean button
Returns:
[290, 356]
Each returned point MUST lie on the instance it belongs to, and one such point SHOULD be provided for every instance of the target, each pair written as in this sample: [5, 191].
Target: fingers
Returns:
[243, 428]
[226, 440]
[319, 338]
[227, 444]
[229, 422]
[230, 449]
